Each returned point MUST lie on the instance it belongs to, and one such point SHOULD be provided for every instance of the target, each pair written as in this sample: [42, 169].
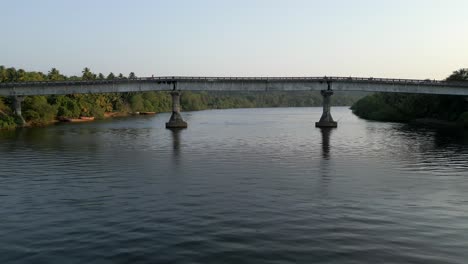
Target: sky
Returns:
[368, 38]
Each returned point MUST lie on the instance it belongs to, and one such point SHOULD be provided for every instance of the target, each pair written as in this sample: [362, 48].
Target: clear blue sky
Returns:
[386, 38]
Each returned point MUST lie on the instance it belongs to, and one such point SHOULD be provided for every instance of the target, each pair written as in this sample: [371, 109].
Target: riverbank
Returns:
[436, 123]
[429, 110]
[8, 121]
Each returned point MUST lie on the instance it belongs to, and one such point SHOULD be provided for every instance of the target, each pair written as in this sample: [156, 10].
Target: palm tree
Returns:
[54, 75]
[87, 74]
[460, 75]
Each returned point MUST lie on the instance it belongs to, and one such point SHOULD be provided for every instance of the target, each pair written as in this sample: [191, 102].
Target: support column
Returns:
[176, 120]
[17, 109]
[326, 120]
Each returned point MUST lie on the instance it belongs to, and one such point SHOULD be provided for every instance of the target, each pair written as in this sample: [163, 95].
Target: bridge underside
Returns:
[177, 122]
[326, 121]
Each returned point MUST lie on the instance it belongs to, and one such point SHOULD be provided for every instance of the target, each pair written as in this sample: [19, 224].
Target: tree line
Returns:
[408, 107]
[40, 110]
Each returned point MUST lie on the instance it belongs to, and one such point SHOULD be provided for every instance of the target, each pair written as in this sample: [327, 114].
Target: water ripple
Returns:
[270, 188]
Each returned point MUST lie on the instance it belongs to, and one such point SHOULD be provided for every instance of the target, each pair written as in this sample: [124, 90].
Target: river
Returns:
[237, 186]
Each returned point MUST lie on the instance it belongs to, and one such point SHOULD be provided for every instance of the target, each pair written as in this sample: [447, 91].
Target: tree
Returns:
[101, 76]
[37, 110]
[406, 107]
[121, 76]
[137, 103]
[21, 75]
[111, 76]
[2, 73]
[132, 75]
[10, 75]
[54, 75]
[87, 74]
[460, 75]
[67, 107]
[74, 78]
[34, 77]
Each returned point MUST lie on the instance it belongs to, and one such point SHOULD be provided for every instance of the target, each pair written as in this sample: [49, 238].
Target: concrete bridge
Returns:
[326, 85]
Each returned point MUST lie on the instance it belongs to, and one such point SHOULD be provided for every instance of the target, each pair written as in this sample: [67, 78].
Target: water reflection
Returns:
[325, 166]
[123, 190]
[175, 132]
[326, 133]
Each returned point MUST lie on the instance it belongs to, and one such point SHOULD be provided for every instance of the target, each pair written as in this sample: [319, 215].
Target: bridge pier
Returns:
[176, 120]
[326, 120]
[17, 100]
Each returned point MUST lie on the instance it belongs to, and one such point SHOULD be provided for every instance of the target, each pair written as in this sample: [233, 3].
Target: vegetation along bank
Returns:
[439, 110]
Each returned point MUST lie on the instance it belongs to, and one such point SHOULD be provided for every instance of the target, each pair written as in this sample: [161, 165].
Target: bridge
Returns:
[177, 84]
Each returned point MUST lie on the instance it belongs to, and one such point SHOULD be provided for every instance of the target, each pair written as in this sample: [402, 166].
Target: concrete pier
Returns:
[17, 100]
[176, 120]
[326, 120]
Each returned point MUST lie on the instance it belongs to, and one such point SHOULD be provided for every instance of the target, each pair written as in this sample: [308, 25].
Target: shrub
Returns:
[38, 111]
[7, 122]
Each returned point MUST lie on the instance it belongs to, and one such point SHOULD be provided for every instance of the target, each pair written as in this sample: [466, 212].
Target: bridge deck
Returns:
[235, 84]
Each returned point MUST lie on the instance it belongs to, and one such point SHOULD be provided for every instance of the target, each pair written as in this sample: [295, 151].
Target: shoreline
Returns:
[426, 122]
[436, 123]
[65, 120]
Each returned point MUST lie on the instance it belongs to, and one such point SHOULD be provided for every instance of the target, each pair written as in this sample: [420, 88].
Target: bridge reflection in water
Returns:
[175, 133]
[326, 133]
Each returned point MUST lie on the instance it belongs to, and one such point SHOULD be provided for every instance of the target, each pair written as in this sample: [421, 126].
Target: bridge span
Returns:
[177, 84]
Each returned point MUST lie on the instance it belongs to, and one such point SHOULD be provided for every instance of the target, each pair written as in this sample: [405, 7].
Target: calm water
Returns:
[237, 186]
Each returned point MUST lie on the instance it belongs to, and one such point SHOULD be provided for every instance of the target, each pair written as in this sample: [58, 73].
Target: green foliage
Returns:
[67, 106]
[13, 75]
[220, 100]
[377, 107]
[405, 107]
[3, 107]
[193, 101]
[38, 111]
[87, 74]
[150, 102]
[7, 122]
[137, 103]
[93, 104]
[2, 73]
[54, 75]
